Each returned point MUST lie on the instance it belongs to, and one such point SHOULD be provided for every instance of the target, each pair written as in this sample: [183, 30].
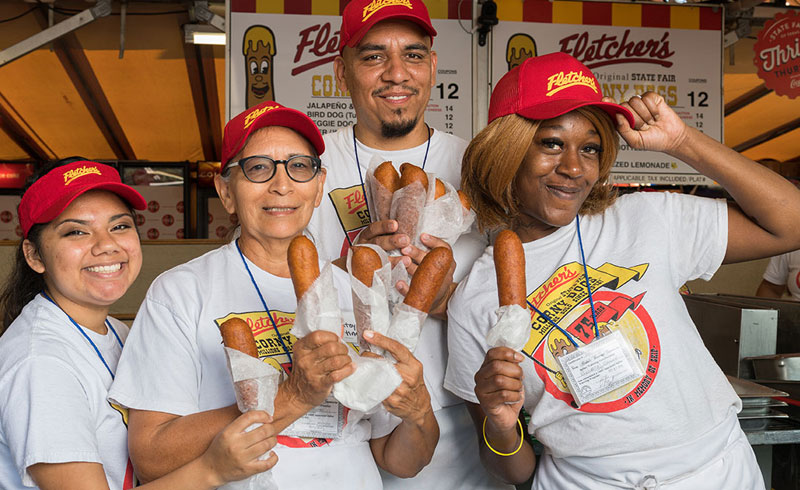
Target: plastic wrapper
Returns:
[370, 305]
[416, 211]
[318, 309]
[406, 325]
[379, 198]
[372, 382]
[513, 328]
[444, 218]
[256, 385]
[407, 206]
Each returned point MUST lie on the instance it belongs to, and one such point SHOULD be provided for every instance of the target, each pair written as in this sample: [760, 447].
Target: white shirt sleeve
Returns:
[50, 419]
[159, 368]
[777, 270]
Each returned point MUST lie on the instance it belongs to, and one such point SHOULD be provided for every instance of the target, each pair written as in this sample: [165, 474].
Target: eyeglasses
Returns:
[259, 169]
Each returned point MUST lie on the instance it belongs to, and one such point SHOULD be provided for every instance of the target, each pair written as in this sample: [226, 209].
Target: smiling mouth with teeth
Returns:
[105, 269]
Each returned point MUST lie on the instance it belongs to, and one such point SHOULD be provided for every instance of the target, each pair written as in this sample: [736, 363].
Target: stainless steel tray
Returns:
[749, 389]
[792, 388]
[771, 414]
[780, 367]
[764, 409]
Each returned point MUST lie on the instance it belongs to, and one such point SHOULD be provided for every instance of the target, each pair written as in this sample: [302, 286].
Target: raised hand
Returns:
[657, 127]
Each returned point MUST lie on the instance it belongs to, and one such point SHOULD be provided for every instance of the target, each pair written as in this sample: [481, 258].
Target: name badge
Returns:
[600, 367]
[324, 421]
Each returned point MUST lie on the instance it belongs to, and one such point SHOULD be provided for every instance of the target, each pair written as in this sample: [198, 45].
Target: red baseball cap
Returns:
[360, 15]
[50, 195]
[547, 86]
[264, 115]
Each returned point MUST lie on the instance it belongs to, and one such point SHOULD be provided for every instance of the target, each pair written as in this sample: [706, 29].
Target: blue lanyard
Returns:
[88, 339]
[266, 308]
[588, 287]
[361, 179]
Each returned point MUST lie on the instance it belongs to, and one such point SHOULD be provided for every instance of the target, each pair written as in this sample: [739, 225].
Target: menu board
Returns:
[288, 58]
[631, 48]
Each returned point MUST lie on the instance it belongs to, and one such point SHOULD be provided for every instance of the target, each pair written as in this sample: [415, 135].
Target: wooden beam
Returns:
[768, 135]
[70, 53]
[746, 99]
[21, 138]
[212, 98]
[203, 82]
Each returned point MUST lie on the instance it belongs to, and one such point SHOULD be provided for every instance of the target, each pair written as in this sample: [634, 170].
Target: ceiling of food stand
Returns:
[78, 97]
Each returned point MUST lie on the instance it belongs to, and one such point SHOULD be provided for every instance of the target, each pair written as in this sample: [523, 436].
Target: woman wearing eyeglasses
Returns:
[173, 375]
[59, 349]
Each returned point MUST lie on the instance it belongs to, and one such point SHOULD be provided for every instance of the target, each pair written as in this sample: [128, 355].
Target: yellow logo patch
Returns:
[376, 5]
[73, 174]
[561, 80]
[250, 118]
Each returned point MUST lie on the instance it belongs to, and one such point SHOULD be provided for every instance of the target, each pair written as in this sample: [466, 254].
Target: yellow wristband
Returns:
[521, 438]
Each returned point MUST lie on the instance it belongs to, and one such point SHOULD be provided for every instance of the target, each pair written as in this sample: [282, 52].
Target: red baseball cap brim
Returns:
[52, 193]
[549, 110]
[240, 128]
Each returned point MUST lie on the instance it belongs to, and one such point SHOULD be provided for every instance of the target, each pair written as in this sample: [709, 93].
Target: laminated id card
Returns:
[324, 421]
[600, 367]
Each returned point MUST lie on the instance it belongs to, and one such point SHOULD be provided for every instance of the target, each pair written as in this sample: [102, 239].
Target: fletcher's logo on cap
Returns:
[376, 5]
[250, 118]
[561, 80]
[74, 173]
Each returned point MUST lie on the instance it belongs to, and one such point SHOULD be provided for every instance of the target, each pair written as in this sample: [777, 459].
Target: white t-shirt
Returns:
[55, 388]
[344, 207]
[784, 269]
[638, 253]
[174, 361]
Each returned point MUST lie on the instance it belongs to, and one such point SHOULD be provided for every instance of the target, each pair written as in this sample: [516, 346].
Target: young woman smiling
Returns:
[59, 351]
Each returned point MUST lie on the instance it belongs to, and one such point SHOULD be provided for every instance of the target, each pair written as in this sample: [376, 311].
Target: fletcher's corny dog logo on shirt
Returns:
[75, 173]
[376, 5]
[561, 80]
[564, 299]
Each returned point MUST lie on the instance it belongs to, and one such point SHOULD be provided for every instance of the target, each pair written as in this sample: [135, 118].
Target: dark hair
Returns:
[24, 283]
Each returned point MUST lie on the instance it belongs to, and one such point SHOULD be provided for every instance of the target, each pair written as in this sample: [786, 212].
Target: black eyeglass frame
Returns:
[316, 164]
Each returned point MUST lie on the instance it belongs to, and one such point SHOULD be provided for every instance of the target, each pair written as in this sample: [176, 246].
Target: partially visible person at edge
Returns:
[80, 252]
[173, 375]
[602, 284]
[782, 275]
[387, 64]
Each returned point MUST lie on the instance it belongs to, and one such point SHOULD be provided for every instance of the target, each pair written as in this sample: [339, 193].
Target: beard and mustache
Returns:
[401, 127]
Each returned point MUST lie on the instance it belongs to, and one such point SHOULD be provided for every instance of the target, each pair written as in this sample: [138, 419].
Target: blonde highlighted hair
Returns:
[494, 156]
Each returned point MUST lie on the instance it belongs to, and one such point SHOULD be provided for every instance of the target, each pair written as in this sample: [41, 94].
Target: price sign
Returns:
[289, 59]
[631, 48]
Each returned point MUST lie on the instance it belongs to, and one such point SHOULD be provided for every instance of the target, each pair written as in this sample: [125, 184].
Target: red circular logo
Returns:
[153, 206]
[6, 216]
[179, 206]
[167, 219]
[18, 231]
[210, 218]
[179, 233]
[234, 219]
[777, 54]
[139, 219]
[222, 231]
[152, 233]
